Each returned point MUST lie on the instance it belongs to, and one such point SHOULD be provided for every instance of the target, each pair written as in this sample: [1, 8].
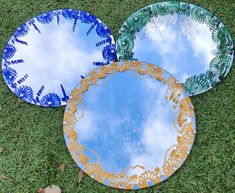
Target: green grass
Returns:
[32, 137]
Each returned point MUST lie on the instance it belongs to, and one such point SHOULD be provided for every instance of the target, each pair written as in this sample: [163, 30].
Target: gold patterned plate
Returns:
[129, 125]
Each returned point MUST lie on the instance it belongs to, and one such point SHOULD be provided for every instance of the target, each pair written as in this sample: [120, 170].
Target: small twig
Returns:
[210, 9]
[10, 179]
[213, 12]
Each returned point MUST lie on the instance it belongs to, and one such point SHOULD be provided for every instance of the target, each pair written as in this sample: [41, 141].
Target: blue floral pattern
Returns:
[70, 13]
[45, 18]
[40, 97]
[51, 99]
[9, 75]
[8, 51]
[109, 52]
[22, 31]
[103, 31]
[25, 93]
[87, 17]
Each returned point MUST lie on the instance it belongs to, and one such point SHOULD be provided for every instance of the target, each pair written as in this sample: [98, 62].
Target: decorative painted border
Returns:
[184, 122]
[25, 92]
[219, 66]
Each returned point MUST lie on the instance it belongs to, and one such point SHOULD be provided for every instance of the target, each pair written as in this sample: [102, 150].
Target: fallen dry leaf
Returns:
[62, 167]
[1, 149]
[80, 176]
[52, 189]
[41, 190]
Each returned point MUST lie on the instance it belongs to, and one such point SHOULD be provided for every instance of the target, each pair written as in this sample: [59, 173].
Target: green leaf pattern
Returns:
[219, 66]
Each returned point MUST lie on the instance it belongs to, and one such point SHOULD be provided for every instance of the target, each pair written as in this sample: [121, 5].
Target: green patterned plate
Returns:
[186, 40]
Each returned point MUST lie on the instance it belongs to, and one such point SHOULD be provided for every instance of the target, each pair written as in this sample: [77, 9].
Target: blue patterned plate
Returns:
[48, 55]
[186, 40]
[129, 125]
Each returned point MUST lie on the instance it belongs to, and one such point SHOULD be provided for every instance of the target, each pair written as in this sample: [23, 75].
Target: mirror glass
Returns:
[47, 56]
[186, 40]
[128, 124]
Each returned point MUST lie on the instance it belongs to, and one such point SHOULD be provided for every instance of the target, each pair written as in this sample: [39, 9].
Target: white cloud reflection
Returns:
[158, 132]
[176, 43]
[128, 132]
[57, 55]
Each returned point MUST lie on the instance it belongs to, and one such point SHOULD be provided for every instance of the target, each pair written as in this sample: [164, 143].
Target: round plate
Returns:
[129, 125]
[46, 57]
[186, 40]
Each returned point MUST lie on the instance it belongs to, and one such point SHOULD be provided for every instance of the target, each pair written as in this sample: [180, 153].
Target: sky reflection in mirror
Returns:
[176, 43]
[127, 121]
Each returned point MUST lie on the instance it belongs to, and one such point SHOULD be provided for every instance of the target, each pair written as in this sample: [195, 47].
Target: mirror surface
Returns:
[184, 39]
[46, 57]
[126, 123]
[177, 43]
